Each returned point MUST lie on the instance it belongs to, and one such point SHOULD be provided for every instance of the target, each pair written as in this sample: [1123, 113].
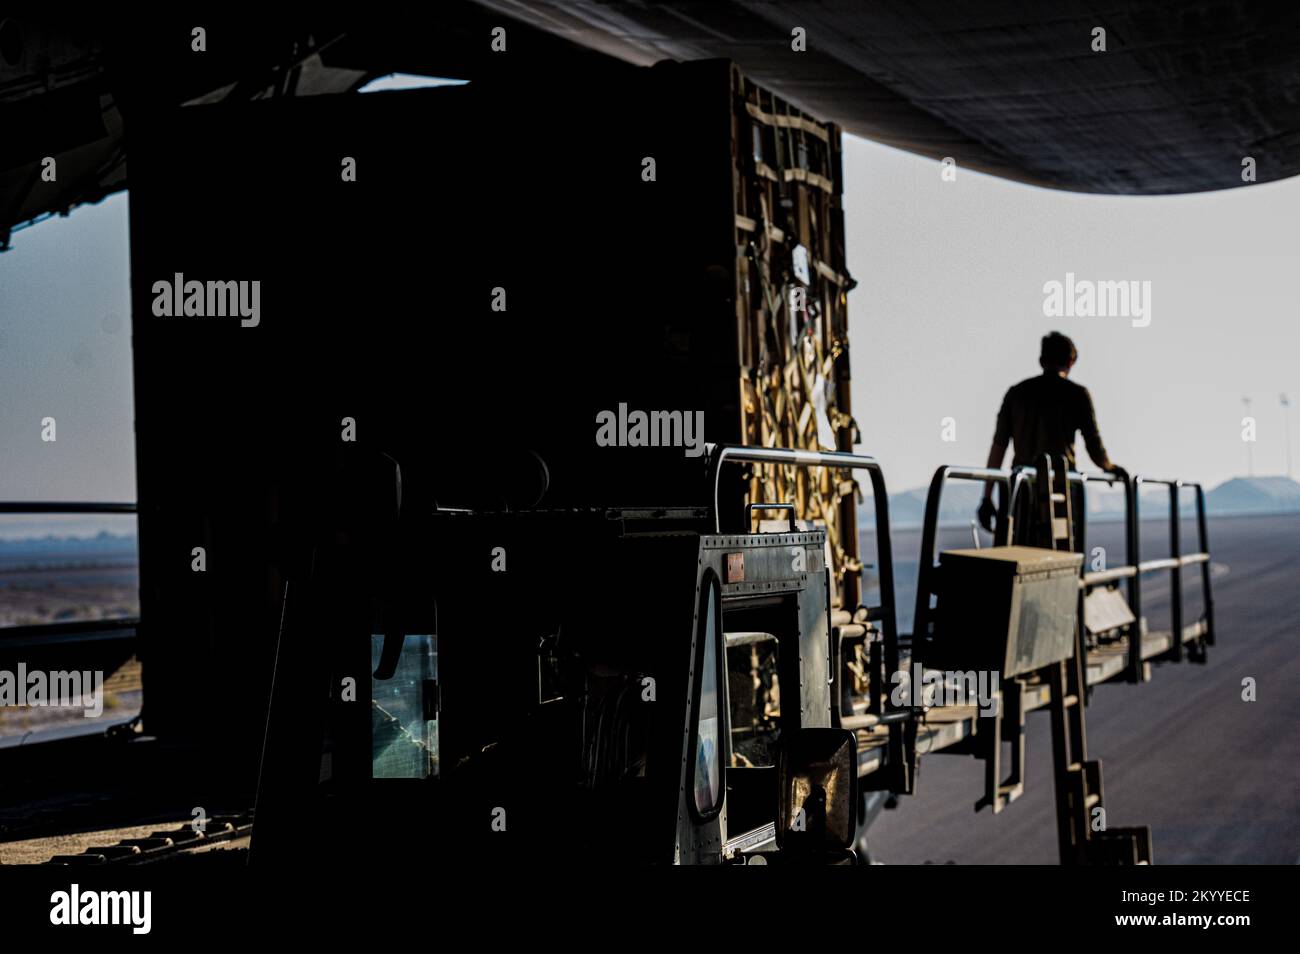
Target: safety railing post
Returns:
[1203, 546]
[1081, 543]
[1132, 557]
[1081, 546]
[925, 566]
[1018, 481]
[1175, 572]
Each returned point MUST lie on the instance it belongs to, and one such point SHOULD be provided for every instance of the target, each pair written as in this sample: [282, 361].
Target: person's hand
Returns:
[987, 513]
[1119, 472]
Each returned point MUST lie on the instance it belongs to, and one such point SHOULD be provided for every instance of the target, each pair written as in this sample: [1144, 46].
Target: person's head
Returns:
[1058, 353]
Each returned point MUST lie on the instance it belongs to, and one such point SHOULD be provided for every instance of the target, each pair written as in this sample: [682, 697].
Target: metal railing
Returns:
[1018, 480]
[1013, 483]
[1177, 559]
[1018, 492]
[885, 613]
[1135, 671]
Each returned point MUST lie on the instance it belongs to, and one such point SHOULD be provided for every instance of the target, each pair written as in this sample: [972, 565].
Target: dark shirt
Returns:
[1041, 415]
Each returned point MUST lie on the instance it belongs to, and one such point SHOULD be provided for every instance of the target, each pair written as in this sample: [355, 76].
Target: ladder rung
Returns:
[1092, 801]
[1069, 702]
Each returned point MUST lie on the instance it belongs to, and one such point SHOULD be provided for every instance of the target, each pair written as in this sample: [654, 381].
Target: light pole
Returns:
[1250, 464]
[1286, 423]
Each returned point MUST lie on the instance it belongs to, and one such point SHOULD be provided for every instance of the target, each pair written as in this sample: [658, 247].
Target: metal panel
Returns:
[1011, 609]
[1104, 609]
[790, 565]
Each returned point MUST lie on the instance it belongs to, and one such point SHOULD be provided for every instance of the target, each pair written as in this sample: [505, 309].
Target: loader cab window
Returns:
[711, 712]
[754, 690]
[754, 721]
[404, 711]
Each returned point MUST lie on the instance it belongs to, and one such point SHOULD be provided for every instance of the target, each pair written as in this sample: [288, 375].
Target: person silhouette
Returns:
[1041, 415]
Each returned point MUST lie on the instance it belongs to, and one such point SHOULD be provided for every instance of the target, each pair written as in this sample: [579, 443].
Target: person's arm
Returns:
[1092, 435]
[987, 512]
[1001, 439]
[997, 453]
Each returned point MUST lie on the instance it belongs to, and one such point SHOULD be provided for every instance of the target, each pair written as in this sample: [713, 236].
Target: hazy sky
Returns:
[947, 313]
[65, 353]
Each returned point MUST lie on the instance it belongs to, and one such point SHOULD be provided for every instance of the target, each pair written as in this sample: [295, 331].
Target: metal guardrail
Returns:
[1176, 560]
[1135, 671]
[886, 612]
[1018, 480]
[1014, 482]
[67, 631]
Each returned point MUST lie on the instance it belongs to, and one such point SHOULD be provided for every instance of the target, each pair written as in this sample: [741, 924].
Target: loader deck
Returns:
[944, 727]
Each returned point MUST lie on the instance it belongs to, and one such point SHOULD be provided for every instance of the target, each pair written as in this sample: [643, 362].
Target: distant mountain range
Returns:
[1249, 495]
[100, 542]
[1240, 496]
[50, 551]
